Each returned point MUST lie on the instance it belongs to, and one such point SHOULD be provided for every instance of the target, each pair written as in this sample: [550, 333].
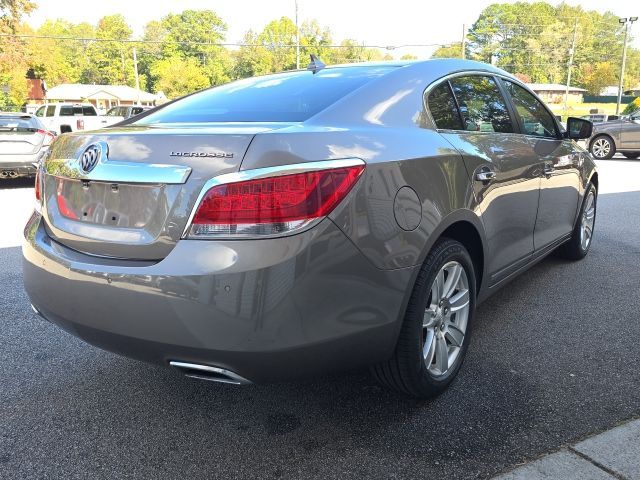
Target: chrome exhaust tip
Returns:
[209, 373]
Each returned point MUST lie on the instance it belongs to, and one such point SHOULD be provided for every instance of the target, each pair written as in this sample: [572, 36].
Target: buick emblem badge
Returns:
[92, 155]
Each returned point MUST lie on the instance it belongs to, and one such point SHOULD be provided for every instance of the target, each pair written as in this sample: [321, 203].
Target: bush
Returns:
[632, 107]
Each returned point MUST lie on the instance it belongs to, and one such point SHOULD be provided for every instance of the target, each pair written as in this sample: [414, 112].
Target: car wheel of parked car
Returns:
[602, 147]
[578, 247]
[436, 329]
[631, 156]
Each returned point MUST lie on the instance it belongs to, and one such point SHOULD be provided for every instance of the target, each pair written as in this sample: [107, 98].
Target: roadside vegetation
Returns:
[187, 51]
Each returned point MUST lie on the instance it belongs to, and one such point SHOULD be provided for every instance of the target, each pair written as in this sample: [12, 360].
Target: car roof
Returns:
[16, 114]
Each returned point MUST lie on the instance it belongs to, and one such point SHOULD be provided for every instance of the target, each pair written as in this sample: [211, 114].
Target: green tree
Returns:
[277, 38]
[177, 76]
[597, 76]
[13, 53]
[60, 61]
[11, 11]
[251, 59]
[534, 39]
[453, 50]
[110, 62]
[197, 34]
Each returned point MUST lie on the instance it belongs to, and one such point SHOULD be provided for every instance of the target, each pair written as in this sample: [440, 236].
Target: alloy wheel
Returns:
[601, 148]
[445, 318]
[587, 221]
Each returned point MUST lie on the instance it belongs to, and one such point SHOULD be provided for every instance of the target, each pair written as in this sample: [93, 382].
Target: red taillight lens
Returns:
[272, 205]
[80, 124]
[48, 137]
[36, 187]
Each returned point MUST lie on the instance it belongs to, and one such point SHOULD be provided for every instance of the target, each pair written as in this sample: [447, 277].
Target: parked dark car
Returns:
[622, 135]
[309, 221]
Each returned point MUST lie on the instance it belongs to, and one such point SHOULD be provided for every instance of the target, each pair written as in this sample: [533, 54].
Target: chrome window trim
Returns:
[257, 173]
[487, 73]
[464, 73]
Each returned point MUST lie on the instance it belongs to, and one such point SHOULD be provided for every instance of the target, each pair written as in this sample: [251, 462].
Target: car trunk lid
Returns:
[20, 142]
[141, 185]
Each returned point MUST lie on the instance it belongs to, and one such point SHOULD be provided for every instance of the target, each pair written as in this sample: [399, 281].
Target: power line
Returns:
[210, 44]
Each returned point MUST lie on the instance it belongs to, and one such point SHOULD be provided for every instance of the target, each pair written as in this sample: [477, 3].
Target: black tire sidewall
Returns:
[446, 250]
[590, 188]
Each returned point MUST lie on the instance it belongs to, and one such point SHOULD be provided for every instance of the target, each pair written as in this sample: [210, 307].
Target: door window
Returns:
[51, 111]
[443, 108]
[482, 106]
[536, 120]
[40, 112]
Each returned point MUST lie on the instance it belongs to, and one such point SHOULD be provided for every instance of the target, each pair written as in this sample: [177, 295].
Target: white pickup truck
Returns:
[70, 117]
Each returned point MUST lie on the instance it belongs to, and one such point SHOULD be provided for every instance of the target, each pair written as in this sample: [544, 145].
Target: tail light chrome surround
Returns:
[265, 230]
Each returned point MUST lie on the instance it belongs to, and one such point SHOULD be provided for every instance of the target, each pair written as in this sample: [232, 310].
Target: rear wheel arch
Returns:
[466, 233]
[466, 227]
[594, 179]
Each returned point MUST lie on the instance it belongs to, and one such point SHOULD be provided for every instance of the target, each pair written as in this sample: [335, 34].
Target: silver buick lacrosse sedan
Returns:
[309, 221]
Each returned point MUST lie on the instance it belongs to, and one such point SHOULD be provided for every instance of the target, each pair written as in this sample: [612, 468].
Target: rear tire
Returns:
[582, 236]
[631, 155]
[437, 325]
[602, 147]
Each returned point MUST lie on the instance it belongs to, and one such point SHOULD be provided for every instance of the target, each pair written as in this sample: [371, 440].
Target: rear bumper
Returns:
[267, 310]
[22, 165]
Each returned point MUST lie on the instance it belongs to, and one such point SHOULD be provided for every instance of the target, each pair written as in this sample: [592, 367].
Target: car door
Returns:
[504, 174]
[630, 133]
[560, 175]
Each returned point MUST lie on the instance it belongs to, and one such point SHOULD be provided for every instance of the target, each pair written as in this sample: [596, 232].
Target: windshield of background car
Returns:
[285, 97]
[11, 124]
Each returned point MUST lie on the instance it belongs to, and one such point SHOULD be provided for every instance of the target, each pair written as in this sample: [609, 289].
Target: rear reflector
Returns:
[273, 205]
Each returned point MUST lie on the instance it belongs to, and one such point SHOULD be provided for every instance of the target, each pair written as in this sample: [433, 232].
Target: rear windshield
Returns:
[19, 124]
[284, 97]
[69, 111]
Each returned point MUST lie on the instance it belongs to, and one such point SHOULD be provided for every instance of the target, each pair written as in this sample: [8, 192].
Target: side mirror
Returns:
[635, 120]
[578, 128]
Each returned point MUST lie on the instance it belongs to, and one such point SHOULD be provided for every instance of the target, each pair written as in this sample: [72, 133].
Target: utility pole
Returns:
[463, 42]
[626, 22]
[135, 72]
[570, 66]
[297, 39]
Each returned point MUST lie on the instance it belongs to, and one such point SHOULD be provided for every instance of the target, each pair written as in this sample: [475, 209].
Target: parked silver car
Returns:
[309, 221]
[23, 142]
[622, 135]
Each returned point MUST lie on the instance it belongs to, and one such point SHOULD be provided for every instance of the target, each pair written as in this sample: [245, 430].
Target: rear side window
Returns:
[66, 111]
[482, 106]
[89, 112]
[443, 108]
[284, 97]
[536, 120]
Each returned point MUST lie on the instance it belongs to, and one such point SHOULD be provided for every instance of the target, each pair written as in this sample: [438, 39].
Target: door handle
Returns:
[485, 175]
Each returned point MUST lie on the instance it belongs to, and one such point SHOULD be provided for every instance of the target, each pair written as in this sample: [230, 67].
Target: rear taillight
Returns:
[80, 124]
[273, 201]
[37, 188]
[48, 137]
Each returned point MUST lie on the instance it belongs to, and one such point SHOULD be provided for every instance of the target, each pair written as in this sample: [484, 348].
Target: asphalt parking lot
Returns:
[555, 357]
